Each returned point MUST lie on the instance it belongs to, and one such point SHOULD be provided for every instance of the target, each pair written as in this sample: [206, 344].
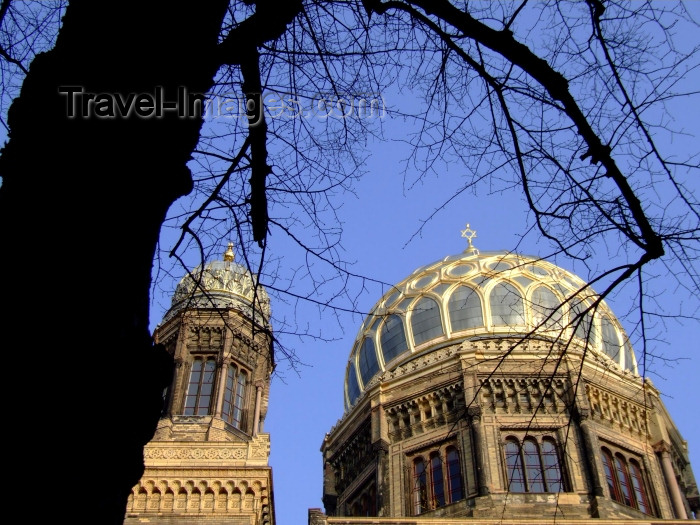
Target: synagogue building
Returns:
[483, 388]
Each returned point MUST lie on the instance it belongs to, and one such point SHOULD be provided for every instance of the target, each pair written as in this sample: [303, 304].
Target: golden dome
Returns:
[482, 296]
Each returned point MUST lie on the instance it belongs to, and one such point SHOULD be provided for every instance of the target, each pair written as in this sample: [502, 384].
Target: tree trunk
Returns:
[81, 205]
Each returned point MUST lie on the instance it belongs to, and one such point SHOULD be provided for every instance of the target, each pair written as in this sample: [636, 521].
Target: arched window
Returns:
[506, 305]
[454, 475]
[629, 356]
[200, 387]
[393, 338]
[234, 397]
[611, 343]
[438, 482]
[465, 309]
[533, 466]
[625, 481]
[550, 465]
[640, 495]
[420, 486]
[425, 321]
[582, 321]
[514, 463]
[545, 308]
[368, 360]
[353, 386]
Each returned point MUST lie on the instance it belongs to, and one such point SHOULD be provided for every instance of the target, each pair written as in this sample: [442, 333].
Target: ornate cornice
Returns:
[216, 454]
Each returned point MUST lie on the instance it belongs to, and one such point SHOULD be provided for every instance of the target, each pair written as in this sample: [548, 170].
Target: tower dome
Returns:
[476, 295]
[221, 284]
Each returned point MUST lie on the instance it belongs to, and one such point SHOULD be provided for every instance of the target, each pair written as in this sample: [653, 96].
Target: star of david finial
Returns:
[469, 234]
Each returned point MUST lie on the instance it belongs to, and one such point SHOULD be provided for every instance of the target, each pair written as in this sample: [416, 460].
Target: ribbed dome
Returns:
[481, 295]
[221, 284]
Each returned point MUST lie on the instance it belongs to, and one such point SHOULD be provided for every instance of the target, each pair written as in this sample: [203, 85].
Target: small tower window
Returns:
[234, 397]
[200, 387]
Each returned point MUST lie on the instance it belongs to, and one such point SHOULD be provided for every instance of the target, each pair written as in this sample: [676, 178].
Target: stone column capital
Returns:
[662, 447]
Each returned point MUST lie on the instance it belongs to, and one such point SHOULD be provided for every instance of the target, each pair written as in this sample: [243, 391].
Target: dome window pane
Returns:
[403, 305]
[522, 280]
[393, 338]
[506, 305]
[461, 269]
[440, 288]
[425, 321]
[392, 298]
[465, 309]
[629, 356]
[582, 322]
[499, 266]
[368, 360]
[353, 386]
[545, 308]
[424, 281]
[611, 343]
[537, 270]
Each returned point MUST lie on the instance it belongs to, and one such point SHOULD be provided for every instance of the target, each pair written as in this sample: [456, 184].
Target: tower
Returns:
[500, 387]
[208, 459]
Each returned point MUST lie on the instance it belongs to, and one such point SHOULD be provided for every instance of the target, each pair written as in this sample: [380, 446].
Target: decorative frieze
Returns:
[254, 452]
[524, 395]
[614, 410]
[425, 412]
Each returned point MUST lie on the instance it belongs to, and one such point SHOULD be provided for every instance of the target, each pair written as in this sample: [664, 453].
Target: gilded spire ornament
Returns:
[229, 255]
[469, 234]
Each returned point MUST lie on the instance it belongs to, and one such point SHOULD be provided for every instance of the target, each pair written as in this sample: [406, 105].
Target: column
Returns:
[474, 413]
[591, 450]
[256, 416]
[662, 448]
[221, 384]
